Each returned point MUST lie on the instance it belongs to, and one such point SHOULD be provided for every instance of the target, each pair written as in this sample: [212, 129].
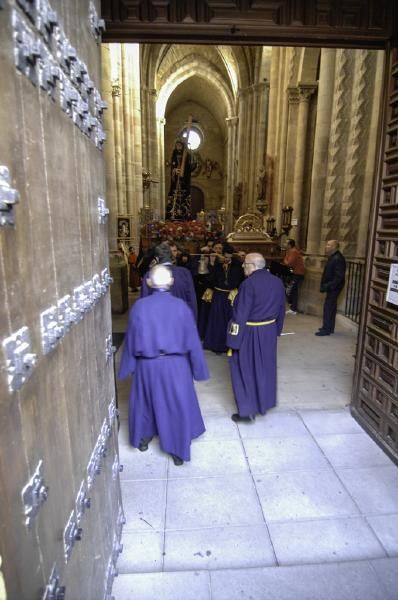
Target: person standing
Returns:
[257, 321]
[182, 286]
[293, 260]
[163, 350]
[134, 276]
[224, 278]
[332, 282]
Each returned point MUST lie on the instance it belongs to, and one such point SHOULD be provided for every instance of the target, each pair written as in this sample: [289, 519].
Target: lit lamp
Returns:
[287, 219]
[145, 214]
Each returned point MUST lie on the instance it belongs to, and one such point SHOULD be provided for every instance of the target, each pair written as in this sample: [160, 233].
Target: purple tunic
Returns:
[261, 297]
[182, 287]
[162, 348]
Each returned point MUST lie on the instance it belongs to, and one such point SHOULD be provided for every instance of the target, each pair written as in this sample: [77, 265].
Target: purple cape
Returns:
[261, 297]
[162, 348]
[182, 287]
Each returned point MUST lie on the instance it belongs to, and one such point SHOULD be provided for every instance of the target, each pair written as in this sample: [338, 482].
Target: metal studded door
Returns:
[60, 508]
[375, 393]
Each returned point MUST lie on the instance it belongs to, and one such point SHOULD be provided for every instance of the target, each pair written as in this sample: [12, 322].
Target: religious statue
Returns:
[179, 197]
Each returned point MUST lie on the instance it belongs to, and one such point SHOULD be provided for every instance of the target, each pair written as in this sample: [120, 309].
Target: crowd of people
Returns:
[233, 304]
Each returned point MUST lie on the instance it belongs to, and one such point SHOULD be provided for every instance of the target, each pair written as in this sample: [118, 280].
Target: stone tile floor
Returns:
[301, 504]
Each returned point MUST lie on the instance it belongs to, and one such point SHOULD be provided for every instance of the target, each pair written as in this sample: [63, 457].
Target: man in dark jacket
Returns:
[332, 282]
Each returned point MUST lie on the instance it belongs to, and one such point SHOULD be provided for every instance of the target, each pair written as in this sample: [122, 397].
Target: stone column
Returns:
[232, 125]
[162, 174]
[109, 147]
[305, 92]
[321, 146]
[151, 157]
[290, 148]
[242, 148]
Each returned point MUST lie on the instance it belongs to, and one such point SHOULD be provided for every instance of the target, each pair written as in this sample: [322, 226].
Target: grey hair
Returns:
[257, 259]
[160, 277]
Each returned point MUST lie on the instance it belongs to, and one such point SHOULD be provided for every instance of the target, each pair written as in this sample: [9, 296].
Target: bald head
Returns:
[253, 262]
[331, 246]
[160, 278]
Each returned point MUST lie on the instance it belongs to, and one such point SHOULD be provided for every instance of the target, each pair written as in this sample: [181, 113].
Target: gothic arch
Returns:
[195, 65]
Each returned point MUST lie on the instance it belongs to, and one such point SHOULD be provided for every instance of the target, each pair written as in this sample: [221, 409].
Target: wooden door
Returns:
[375, 392]
[60, 509]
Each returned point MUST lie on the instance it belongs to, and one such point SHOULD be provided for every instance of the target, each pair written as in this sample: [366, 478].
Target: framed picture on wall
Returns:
[124, 227]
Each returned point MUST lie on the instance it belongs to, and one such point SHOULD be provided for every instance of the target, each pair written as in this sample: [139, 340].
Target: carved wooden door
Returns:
[375, 393]
[60, 508]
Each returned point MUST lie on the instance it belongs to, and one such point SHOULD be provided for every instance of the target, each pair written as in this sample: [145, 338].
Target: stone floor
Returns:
[300, 505]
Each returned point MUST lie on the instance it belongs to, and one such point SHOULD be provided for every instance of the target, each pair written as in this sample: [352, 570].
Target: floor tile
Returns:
[340, 581]
[144, 504]
[163, 586]
[218, 548]
[212, 459]
[151, 464]
[142, 552]
[352, 450]
[327, 540]
[219, 428]
[281, 454]
[386, 529]
[330, 421]
[374, 489]
[303, 494]
[274, 424]
[387, 570]
[210, 502]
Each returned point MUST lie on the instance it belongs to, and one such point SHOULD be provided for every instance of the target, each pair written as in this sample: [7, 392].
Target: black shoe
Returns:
[177, 460]
[322, 332]
[238, 419]
[144, 443]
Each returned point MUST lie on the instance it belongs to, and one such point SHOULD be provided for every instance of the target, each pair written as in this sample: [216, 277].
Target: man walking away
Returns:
[258, 313]
[163, 350]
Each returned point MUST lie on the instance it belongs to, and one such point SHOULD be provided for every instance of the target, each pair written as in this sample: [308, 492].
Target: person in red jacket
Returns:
[294, 260]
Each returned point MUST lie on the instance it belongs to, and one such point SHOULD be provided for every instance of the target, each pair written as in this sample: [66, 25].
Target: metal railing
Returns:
[355, 272]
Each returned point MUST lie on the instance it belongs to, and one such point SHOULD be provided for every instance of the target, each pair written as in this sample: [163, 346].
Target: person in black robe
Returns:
[163, 350]
[258, 314]
[178, 206]
[224, 279]
[182, 286]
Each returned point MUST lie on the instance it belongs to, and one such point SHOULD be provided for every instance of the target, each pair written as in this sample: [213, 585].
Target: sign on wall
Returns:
[392, 290]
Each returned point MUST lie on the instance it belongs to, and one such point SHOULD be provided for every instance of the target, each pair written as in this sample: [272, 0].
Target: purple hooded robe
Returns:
[261, 298]
[182, 287]
[163, 350]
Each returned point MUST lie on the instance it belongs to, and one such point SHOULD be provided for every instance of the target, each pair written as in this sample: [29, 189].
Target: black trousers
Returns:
[293, 289]
[330, 310]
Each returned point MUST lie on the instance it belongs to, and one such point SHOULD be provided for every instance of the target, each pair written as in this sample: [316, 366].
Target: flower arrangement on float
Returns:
[175, 230]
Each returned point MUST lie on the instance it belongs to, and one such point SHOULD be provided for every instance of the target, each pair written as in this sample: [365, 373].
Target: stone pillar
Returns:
[321, 146]
[232, 125]
[162, 174]
[109, 146]
[376, 84]
[289, 154]
[151, 146]
[305, 91]
[243, 147]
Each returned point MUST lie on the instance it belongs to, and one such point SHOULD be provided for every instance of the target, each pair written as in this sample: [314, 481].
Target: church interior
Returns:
[284, 117]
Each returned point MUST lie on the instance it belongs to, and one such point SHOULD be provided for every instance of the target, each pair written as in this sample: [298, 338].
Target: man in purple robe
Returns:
[182, 287]
[257, 320]
[163, 351]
